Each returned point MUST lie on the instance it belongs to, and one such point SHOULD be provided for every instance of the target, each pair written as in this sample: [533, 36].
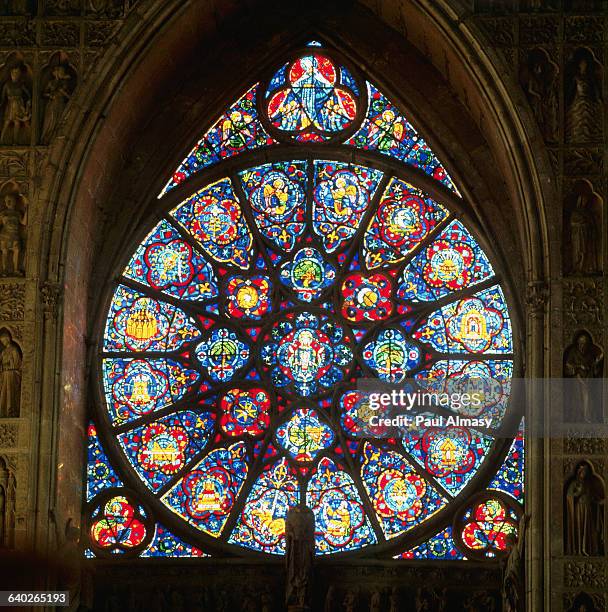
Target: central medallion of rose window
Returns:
[306, 353]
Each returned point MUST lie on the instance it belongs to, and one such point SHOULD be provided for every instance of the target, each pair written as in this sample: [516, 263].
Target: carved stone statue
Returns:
[16, 100]
[393, 600]
[299, 556]
[540, 84]
[375, 602]
[57, 93]
[513, 592]
[585, 513]
[11, 243]
[350, 601]
[584, 362]
[428, 599]
[331, 602]
[10, 375]
[582, 235]
[583, 113]
[69, 560]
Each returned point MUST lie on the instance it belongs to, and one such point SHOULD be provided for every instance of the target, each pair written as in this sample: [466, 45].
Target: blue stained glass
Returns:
[311, 103]
[214, 218]
[236, 131]
[160, 449]
[453, 261]
[387, 131]
[262, 522]
[304, 435]
[306, 353]
[167, 544]
[401, 498]
[140, 323]
[489, 379]
[476, 324]
[100, 474]
[165, 262]
[277, 194]
[307, 274]
[222, 354]
[205, 496]
[342, 193]
[441, 546]
[349, 80]
[391, 356]
[404, 218]
[452, 455]
[135, 387]
[510, 476]
[340, 520]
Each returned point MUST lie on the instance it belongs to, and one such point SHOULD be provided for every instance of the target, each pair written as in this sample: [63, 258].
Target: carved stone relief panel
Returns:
[583, 97]
[583, 306]
[12, 301]
[583, 161]
[582, 230]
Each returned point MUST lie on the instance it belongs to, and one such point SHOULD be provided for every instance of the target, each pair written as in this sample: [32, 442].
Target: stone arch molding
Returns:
[145, 101]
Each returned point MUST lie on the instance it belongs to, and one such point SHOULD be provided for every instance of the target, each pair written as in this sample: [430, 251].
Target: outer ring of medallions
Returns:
[99, 501]
[338, 59]
[275, 319]
[454, 204]
[458, 522]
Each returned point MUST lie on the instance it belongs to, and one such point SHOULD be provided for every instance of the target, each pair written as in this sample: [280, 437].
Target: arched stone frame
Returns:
[142, 58]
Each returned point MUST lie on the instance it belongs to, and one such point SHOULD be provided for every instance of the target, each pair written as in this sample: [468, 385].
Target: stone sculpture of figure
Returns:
[69, 560]
[10, 375]
[350, 601]
[583, 114]
[375, 602]
[584, 362]
[541, 89]
[330, 599]
[16, 99]
[513, 575]
[11, 244]
[584, 513]
[582, 233]
[393, 601]
[57, 93]
[299, 556]
[266, 601]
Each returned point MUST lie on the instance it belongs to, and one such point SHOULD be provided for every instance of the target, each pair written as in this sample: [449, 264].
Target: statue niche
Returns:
[10, 375]
[13, 221]
[583, 86]
[58, 82]
[16, 101]
[7, 504]
[584, 363]
[539, 81]
[582, 230]
[584, 512]
[583, 602]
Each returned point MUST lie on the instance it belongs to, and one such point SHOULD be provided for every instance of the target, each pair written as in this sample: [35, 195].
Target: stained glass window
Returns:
[240, 327]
